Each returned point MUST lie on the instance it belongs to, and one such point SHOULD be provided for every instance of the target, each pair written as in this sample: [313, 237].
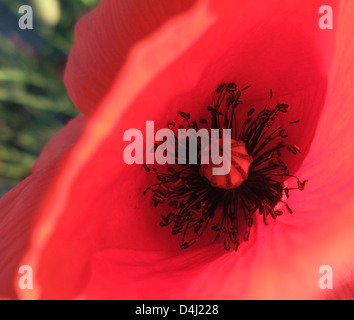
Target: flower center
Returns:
[239, 165]
[254, 184]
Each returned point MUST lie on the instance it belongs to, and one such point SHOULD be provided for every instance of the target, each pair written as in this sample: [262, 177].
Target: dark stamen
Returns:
[192, 198]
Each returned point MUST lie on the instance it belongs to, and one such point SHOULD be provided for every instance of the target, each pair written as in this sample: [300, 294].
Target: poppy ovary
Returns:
[233, 171]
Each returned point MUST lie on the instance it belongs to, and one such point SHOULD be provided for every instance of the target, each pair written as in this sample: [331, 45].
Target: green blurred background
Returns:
[33, 101]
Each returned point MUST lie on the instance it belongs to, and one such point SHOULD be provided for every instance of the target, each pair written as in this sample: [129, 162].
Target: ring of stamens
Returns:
[194, 201]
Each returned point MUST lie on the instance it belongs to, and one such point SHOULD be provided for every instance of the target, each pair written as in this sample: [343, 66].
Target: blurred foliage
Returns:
[33, 100]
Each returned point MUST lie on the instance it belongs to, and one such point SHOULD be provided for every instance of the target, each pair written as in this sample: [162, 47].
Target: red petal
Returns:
[111, 220]
[104, 39]
[276, 46]
[18, 207]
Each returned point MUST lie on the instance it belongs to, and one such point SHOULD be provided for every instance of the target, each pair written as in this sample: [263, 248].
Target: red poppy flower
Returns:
[80, 219]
